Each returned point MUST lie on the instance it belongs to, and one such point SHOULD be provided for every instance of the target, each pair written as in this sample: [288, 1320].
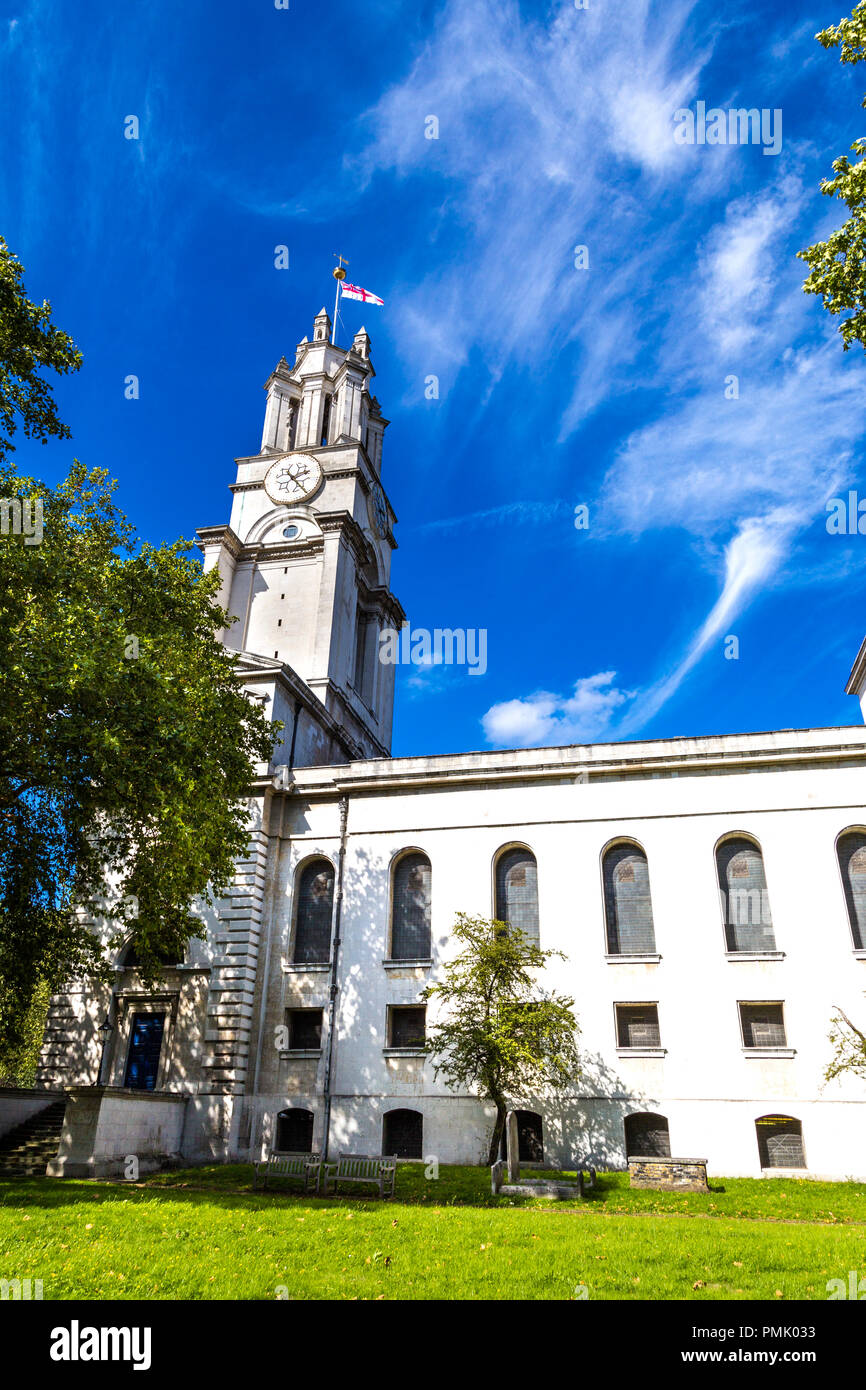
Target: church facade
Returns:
[708, 894]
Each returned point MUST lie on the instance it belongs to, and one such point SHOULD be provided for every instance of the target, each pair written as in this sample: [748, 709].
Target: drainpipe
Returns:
[266, 977]
[335, 956]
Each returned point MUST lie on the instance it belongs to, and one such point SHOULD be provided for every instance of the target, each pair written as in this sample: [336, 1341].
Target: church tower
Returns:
[305, 560]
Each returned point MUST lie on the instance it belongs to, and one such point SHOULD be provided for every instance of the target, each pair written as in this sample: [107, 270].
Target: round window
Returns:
[291, 533]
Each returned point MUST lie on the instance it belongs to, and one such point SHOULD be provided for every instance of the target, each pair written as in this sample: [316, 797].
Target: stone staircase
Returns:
[26, 1150]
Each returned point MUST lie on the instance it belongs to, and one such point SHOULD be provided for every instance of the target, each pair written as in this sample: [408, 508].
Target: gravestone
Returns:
[669, 1174]
[512, 1146]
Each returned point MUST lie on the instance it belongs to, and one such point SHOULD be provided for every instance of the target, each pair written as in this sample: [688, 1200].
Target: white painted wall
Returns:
[710, 1090]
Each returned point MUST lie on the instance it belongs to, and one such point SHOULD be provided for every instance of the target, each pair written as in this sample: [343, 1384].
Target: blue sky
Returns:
[558, 386]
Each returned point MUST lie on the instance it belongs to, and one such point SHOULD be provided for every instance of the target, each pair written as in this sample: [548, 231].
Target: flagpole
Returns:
[339, 276]
[336, 312]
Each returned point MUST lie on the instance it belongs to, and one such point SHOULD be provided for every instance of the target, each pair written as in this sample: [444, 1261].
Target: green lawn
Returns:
[203, 1233]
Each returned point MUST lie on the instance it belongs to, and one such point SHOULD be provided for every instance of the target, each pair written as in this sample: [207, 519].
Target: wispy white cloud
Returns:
[544, 719]
[509, 514]
[532, 116]
[751, 559]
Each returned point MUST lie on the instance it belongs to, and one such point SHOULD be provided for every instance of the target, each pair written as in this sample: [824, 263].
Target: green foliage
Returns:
[29, 342]
[18, 1064]
[838, 265]
[849, 1048]
[126, 744]
[499, 1034]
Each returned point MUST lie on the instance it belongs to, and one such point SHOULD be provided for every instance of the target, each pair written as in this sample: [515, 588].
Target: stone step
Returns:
[26, 1150]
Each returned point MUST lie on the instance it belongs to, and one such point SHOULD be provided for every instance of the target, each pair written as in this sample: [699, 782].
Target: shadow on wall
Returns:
[587, 1125]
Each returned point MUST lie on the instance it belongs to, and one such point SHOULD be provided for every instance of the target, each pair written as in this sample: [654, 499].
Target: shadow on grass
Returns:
[227, 1186]
[230, 1185]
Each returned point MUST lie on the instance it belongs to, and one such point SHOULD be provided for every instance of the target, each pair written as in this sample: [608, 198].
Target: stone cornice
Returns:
[252, 670]
[857, 678]
[222, 535]
[593, 762]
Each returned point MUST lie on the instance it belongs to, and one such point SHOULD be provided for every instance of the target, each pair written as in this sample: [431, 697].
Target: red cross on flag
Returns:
[348, 291]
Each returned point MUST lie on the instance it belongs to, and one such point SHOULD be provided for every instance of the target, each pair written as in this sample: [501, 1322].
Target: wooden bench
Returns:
[285, 1165]
[371, 1168]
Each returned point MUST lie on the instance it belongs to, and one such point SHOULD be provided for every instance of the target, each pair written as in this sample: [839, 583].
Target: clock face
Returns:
[292, 478]
[380, 507]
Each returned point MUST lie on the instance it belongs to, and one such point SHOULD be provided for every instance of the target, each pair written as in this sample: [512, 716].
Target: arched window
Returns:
[315, 901]
[517, 891]
[744, 898]
[780, 1142]
[647, 1136]
[851, 849]
[326, 421]
[130, 957]
[295, 1132]
[628, 905]
[410, 908]
[403, 1133]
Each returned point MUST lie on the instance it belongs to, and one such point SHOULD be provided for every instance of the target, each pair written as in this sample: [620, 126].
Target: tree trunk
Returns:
[499, 1126]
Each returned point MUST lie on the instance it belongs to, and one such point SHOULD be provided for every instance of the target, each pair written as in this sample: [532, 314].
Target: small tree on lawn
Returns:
[849, 1047]
[500, 1035]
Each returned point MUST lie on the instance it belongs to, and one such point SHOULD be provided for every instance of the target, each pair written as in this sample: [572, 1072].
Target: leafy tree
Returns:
[126, 744]
[29, 342]
[18, 1064]
[838, 265]
[500, 1034]
[849, 1047]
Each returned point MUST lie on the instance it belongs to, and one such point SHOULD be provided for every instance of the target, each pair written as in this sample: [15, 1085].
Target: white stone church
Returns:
[709, 894]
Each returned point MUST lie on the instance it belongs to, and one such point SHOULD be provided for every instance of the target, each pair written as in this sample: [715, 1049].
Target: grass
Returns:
[203, 1234]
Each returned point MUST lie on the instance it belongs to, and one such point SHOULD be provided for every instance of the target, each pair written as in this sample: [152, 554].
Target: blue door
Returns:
[143, 1062]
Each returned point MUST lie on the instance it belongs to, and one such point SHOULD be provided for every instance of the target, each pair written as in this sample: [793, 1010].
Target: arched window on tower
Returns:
[314, 889]
[517, 891]
[410, 907]
[627, 901]
[744, 898]
[851, 848]
[326, 421]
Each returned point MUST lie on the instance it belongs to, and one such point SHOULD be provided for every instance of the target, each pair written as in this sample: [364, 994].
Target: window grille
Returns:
[647, 1136]
[638, 1025]
[780, 1142]
[408, 1027]
[410, 918]
[313, 921]
[295, 1132]
[305, 1029]
[627, 901]
[517, 891]
[852, 862]
[763, 1025]
[743, 885]
[403, 1133]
